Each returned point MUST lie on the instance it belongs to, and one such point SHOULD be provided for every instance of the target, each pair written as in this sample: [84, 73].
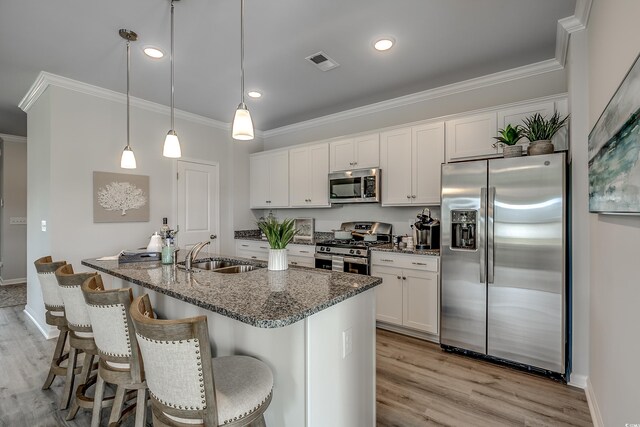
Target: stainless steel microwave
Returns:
[355, 186]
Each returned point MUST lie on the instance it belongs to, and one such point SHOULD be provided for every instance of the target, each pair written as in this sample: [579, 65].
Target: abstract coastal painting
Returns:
[614, 151]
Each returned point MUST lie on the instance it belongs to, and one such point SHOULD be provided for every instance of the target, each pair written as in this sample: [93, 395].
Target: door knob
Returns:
[213, 236]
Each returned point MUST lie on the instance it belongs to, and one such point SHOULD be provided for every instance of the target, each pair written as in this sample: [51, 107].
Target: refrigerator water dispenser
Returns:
[463, 229]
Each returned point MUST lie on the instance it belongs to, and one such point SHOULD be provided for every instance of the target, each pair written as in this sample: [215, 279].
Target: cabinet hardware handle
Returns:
[294, 263]
[304, 252]
[254, 257]
[413, 196]
[386, 260]
[408, 196]
[399, 277]
[245, 246]
[404, 278]
[418, 263]
[263, 247]
[355, 163]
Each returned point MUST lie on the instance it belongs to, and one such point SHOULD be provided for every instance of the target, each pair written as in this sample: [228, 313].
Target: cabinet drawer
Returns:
[306, 251]
[255, 255]
[301, 261]
[253, 245]
[414, 262]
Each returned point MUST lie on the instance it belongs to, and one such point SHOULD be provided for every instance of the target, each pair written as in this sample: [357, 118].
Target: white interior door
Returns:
[198, 204]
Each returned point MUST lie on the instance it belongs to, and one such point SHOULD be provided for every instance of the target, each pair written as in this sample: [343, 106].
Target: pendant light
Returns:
[128, 159]
[171, 143]
[242, 128]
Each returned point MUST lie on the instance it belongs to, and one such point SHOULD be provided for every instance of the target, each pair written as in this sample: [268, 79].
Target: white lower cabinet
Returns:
[408, 296]
[298, 255]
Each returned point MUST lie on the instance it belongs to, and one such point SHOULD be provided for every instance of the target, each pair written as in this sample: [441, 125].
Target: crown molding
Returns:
[439, 92]
[45, 79]
[571, 24]
[13, 138]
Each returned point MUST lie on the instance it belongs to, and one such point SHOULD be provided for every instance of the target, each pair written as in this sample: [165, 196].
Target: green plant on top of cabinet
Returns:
[410, 160]
[269, 178]
[308, 170]
[359, 152]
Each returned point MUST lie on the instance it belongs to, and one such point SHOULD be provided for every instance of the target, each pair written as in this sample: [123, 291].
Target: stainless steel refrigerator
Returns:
[503, 259]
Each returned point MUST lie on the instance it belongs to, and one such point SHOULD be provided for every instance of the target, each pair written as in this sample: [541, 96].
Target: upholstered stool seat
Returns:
[187, 386]
[54, 316]
[81, 336]
[120, 361]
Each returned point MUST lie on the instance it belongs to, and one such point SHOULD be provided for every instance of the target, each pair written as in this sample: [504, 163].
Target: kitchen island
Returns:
[314, 328]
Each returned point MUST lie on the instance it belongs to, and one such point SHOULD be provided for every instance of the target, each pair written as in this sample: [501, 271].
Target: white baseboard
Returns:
[45, 330]
[596, 417]
[12, 281]
[578, 380]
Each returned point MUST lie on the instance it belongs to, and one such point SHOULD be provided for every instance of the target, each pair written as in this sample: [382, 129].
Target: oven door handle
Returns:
[322, 256]
[355, 260]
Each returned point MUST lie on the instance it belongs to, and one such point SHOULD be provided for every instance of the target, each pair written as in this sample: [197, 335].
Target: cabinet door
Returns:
[299, 177]
[395, 162]
[279, 179]
[420, 301]
[388, 294]
[561, 139]
[428, 155]
[342, 155]
[318, 174]
[471, 137]
[515, 116]
[259, 180]
[367, 151]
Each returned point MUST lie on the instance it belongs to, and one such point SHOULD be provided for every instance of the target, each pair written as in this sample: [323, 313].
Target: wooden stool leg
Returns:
[141, 408]
[97, 403]
[118, 402]
[56, 359]
[87, 364]
[68, 385]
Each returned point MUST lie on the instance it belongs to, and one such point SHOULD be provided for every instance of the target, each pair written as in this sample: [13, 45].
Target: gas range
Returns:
[352, 256]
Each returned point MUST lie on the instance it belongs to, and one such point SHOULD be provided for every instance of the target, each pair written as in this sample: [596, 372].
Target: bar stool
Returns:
[80, 335]
[120, 362]
[54, 316]
[186, 386]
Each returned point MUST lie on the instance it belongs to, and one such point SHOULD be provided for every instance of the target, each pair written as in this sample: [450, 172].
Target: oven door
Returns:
[343, 264]
[323, 261]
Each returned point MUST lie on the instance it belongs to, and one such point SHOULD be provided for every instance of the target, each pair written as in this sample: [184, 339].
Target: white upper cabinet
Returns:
[355, 153]
[269, 178]
[410, 162]
[308, 171]
[472, 137]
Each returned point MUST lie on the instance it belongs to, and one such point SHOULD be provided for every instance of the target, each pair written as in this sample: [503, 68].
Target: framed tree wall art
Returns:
[119, 197]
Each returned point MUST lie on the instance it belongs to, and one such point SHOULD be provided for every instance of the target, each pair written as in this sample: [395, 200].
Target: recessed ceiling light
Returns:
[153, 52]
[254, 94]
[384, 44]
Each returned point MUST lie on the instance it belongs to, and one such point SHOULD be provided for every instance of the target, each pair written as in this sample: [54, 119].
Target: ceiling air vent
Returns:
[322, 61]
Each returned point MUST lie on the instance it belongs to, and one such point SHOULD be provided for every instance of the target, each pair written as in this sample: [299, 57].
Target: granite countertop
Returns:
[394, 249]
[261, 298]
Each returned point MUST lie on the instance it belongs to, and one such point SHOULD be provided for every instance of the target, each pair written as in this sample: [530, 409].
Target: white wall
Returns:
[14, 195]
[73, 134]
[614, 43]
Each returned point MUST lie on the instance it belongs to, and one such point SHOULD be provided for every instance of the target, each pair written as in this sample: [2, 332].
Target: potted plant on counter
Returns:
[539, 130]
[507, 139]
[279, 235]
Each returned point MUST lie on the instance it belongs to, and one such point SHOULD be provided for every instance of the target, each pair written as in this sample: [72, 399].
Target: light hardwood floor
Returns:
[418, 385]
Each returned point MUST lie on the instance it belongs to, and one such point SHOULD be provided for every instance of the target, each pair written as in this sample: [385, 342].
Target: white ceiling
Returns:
[438, 42]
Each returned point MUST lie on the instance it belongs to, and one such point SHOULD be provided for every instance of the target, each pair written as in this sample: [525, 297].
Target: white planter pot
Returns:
[278, 259]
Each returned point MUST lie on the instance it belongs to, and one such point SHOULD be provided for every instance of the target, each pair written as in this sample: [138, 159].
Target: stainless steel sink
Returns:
[234, 269]
[211, 264]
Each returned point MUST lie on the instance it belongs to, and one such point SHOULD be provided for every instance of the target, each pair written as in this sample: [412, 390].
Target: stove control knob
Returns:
[358, 252]
[327, 249]
[351, 251]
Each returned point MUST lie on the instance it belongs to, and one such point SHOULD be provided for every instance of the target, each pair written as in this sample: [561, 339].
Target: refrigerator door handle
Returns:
[481, 234]
[490, 234]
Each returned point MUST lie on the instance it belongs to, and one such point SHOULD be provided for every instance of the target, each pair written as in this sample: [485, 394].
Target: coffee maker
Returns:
[426, 231]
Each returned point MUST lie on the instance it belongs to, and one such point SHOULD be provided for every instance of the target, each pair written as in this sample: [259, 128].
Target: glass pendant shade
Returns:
[172, 146]
[128, 159]
[242, 128]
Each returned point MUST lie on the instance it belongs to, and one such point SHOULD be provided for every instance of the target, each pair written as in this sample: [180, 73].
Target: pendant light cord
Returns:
[172, 126]
[128, 71]
[242, 49]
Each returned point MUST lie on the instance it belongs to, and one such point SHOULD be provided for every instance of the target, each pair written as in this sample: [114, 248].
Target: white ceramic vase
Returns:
[278, 259]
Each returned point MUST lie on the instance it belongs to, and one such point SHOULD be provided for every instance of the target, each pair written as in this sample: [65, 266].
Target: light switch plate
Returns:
[43, 225]
[347, 343]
